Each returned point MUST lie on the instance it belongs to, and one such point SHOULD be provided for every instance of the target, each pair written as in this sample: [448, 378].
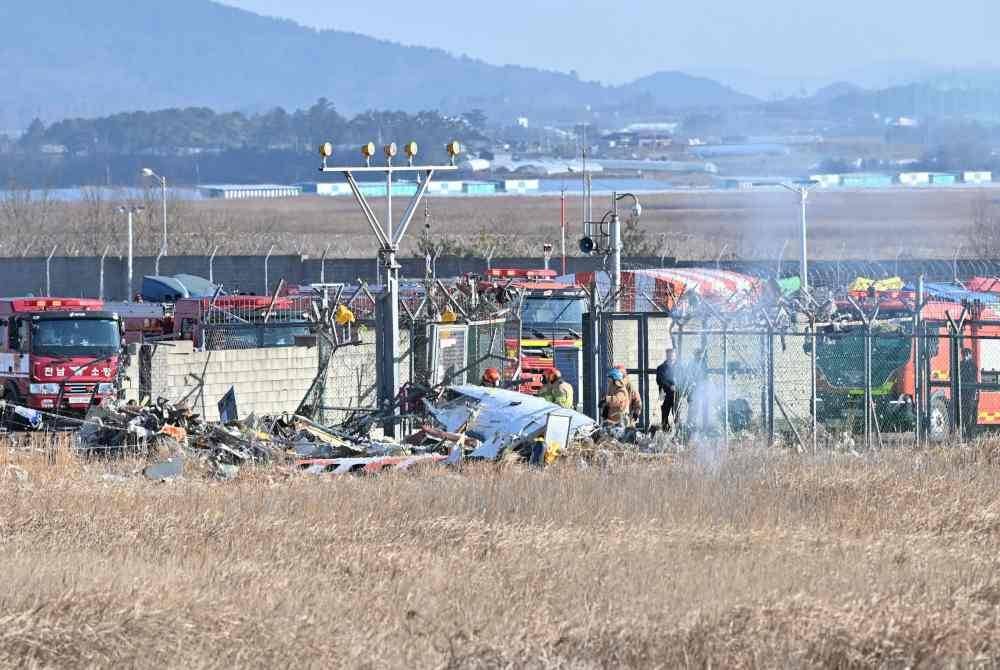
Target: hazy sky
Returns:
[618, 41]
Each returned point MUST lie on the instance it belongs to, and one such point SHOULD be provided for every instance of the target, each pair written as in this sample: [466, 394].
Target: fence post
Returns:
[100, 290]
[211, 265]
[48, 271]
[814, 405]
[267, 260]
[868, 384]
[322, 265]
[725, 384]
[918, 363]
[770, 383]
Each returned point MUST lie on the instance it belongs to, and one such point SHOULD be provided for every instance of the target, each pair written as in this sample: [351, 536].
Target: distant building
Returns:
[826, 180]
[519, 185]
[977, 177]
[479, 188]
[325, 188]
[866, 180]
[914, 178]
[249, 191]
[944, 179]
[445, 187]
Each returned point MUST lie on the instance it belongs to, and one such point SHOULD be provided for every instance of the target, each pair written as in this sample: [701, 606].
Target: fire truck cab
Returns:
[59, 354]
[551, 317]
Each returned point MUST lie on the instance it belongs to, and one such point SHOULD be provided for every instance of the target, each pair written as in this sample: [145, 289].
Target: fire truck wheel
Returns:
[939, 419]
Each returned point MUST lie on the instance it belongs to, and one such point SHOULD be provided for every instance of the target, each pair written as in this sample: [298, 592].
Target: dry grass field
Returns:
[924, 223]
[691, 225]
[766, 560]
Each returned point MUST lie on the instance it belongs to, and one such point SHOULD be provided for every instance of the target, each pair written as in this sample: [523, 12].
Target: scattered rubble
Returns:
[455, 423]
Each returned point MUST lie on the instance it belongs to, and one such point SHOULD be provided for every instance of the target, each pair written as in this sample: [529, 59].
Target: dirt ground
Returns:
[877, 224]
[756, 558]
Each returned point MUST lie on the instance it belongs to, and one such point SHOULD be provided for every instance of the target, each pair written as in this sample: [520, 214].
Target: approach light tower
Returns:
[389, 238]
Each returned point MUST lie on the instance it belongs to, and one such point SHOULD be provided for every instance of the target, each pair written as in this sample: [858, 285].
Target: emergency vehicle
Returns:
[223, 322]
[840, 359]
[59, 354]
[551, 317]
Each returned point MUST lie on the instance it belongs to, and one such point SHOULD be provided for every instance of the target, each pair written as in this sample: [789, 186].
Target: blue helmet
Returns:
[615, 374]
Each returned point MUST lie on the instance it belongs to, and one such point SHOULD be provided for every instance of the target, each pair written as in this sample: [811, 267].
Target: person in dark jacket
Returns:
[969, 376]
[667, 383]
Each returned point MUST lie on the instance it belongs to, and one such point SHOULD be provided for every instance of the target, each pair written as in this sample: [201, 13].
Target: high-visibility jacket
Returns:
[559, 393]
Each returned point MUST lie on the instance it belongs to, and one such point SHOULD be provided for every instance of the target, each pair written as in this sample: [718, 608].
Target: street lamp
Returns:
[130, 211]
[802, 189]
[147, 172]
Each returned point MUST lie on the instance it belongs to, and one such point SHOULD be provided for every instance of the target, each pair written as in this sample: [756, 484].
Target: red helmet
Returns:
[491, 375]
[552, 375]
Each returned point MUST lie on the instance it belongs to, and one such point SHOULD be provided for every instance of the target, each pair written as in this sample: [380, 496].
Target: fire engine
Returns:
[59, 354]
[551, 317]
[840, 360]
[224, 322]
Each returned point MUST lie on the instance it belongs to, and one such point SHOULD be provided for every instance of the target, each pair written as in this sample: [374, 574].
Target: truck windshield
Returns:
[75, 337]
[545, 313]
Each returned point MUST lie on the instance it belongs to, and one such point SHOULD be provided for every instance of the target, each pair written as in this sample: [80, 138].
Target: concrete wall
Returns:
[267, 381]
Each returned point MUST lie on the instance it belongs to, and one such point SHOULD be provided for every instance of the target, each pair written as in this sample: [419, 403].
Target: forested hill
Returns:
[69, 58]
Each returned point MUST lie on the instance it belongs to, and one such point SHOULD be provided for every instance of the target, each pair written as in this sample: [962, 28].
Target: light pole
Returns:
[146, 172]
[610, 222]
[802, 188]
[389, 234]
[130, 211]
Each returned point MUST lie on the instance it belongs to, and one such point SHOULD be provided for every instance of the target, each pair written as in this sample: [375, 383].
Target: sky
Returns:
[763, 43]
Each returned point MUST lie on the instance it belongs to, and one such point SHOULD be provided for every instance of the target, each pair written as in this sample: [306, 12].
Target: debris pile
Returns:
[453, 424]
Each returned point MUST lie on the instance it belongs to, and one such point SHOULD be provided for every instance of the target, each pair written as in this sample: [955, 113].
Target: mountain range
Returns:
[67, 58]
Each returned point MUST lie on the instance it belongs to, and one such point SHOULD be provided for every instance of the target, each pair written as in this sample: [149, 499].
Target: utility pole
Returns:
[130, 211]
[389, 238]
[146, 172]
[802, 189]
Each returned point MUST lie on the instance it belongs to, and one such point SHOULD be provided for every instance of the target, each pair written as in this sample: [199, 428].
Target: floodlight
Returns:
[411, 149]
[390, 150]
[453, 149]
[326, 149]
[368, 150]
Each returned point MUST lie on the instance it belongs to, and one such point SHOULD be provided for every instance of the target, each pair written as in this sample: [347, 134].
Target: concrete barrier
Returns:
[267, 381]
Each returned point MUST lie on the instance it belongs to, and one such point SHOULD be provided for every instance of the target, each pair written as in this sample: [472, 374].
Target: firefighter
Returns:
[556, 390]
[634, 399]
[491, 378]
[614, 407]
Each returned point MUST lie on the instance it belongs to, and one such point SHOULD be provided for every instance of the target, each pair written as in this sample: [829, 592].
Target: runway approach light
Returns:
[368, 151]
[454, 149]
[326, 149]
[411, 150]
[390, 150]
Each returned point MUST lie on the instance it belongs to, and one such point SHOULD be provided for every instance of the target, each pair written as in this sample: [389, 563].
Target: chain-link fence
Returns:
[867, 378]
[244, 322]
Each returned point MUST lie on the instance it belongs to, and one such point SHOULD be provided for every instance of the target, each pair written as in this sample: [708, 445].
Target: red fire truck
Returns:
[225, 322]
[551, 317]
[58, 354]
